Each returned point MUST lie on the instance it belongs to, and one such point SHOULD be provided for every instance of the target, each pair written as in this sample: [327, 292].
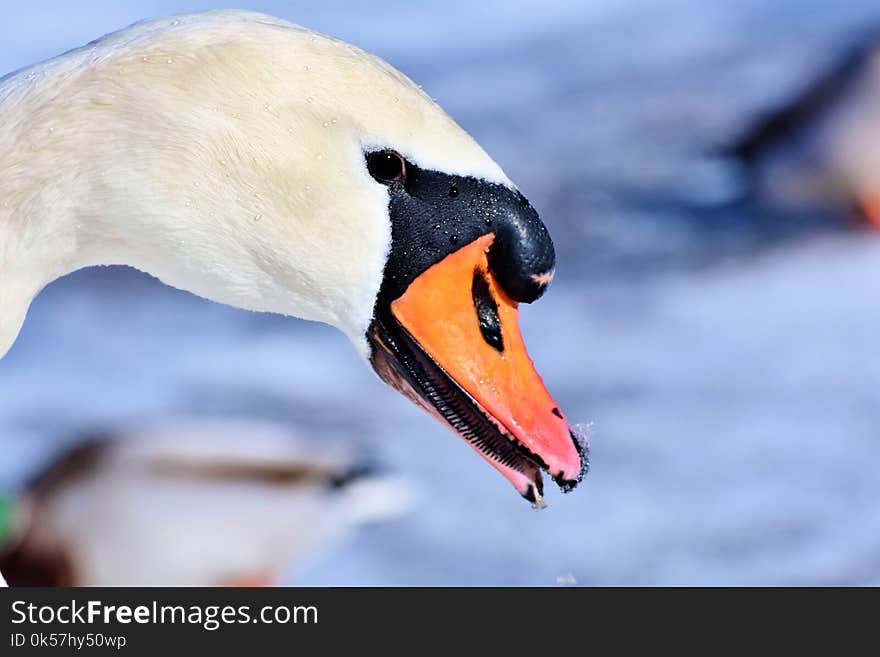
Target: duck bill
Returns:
[451, 342]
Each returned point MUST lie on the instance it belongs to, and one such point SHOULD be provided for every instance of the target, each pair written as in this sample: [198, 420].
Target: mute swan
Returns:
[262, 165]
[823, 147]
[192, 503]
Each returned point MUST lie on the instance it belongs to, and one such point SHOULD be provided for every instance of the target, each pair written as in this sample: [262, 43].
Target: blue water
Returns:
[731, 373]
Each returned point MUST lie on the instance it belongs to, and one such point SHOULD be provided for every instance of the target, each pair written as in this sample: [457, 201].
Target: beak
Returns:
[451, 343]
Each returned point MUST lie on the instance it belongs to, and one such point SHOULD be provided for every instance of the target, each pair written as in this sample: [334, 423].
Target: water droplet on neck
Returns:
[257, 217]
[309, 99]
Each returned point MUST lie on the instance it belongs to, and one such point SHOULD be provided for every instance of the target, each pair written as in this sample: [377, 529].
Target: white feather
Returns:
[221, 152]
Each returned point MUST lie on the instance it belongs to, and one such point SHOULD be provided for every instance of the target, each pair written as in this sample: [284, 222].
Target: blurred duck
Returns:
[259, 164]
[823, 148]
[197, 503]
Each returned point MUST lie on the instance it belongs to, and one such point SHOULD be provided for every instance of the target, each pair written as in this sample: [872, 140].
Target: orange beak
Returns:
[481, 380]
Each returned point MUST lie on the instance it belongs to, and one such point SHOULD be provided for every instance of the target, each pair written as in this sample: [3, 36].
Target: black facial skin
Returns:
[434, 214]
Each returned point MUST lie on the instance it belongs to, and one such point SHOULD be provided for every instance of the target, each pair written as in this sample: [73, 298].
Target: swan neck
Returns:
[43, 234]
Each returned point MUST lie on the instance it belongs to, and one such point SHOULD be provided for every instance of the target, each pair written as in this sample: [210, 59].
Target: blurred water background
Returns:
[726, 355]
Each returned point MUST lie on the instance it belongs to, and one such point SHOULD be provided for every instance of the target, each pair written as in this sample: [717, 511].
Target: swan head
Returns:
[465, 251]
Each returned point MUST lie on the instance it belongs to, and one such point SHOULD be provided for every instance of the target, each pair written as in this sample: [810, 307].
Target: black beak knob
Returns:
[522, 257]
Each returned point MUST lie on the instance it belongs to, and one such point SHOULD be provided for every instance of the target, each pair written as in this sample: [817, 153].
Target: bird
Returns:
[263, 165]
[821, 148]
[191, 502]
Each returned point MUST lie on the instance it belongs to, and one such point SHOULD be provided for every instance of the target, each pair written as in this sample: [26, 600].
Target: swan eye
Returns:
[386, 166]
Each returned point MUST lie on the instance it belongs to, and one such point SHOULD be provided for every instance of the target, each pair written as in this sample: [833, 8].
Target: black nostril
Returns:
[487, 312]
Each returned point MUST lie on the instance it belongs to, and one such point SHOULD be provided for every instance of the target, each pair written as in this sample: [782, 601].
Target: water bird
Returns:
[263, 165]
[821, 148]
[192, 502]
